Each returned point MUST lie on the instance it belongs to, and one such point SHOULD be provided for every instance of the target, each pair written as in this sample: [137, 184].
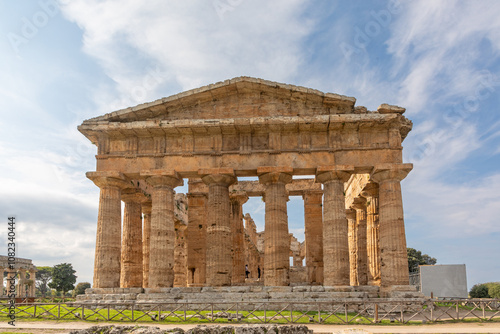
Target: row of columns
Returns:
[327, 233]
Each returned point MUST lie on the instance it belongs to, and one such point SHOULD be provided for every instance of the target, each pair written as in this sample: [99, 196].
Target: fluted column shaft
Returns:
[237, 201]
[196, 238]
[313, 223]
[394, 260]
[219, 239]
[335, 230]
[353, 246]
[372, 230]
[277, 240]
[162, 238]
[108, 238]
[146, 237]
[131, 255]
[362, 259]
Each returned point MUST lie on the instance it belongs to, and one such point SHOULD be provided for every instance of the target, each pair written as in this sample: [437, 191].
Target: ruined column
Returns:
[372, 233]
[196, 235]
[219, 258]
[359, 205]
[146, 208]
[313, 223]
[237, 201]
[162, 238]
[108, 239]
[352, 235]
[131, 259]
[277, 241]
[394, 260]
[335, 231]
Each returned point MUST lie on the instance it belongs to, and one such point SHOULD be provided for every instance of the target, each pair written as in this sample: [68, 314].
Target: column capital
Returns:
[238, 196]
[329, 173]
[161, 178]
[370, 190]
[147, 207]
[309, 193]
[134, 195]
[384, 172]
[359, 203]
[223, 176]
[109, 179]
[275, 174]
[350, 214]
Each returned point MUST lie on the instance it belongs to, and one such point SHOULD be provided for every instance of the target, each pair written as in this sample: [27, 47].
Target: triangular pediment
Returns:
[241, 97]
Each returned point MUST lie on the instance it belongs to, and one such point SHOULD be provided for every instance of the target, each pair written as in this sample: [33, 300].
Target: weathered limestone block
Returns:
[372, 240]
[162, 240]
[108, 239]
[335, 231]
[219, 239]
[313, 222]
[277, 246]
[394, 260]
[359, 205]
[131, 254]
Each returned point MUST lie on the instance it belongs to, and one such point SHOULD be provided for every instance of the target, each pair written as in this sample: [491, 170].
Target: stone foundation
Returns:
[249, 296]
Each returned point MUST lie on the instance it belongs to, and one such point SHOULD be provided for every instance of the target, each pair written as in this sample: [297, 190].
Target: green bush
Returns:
[494, 290]
[479, 291]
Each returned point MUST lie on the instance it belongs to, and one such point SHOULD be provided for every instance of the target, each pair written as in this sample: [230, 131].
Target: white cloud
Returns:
[189, 43]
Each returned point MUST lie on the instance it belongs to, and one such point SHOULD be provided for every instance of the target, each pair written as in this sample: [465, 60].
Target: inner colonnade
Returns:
[354, 226]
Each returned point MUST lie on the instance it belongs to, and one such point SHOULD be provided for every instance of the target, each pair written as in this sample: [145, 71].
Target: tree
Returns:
[63, 278]
[43, 277]
[494, 291]
[415, 258]
[80, 288]
[479, 291]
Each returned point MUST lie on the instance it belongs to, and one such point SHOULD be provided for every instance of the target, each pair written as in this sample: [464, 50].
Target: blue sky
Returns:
[62, 62]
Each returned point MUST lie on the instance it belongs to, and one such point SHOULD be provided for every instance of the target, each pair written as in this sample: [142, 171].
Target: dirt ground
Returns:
[53, 327]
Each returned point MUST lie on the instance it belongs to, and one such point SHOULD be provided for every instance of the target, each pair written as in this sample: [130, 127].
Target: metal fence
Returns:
[334, 312]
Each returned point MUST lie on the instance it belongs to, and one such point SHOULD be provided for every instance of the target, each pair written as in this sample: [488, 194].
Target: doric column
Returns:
[237, 201]
[32, 287]
[219, 239]
[353, 246]
[277, 241]
[196, 236]
[108, 239]
[335, 240]
[21, 283]
[372, 232]
[313, 224]
[180, 265]
[131, 261]
[359, 205]
[394, 260]
[146, 208]
[162, 239]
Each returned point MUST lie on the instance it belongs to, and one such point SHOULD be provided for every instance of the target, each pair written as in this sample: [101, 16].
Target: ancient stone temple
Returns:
[349, 160]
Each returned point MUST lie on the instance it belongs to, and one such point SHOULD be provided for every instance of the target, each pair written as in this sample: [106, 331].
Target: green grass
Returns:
[50, 312]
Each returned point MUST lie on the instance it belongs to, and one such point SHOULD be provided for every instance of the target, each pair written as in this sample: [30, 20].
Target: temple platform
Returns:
[249, 295]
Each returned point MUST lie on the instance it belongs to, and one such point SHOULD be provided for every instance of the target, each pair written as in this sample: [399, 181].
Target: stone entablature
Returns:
[205, 136]
[252, 127]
